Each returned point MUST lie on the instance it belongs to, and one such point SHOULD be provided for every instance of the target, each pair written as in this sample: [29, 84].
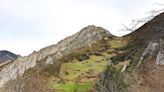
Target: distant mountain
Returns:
[7, 55]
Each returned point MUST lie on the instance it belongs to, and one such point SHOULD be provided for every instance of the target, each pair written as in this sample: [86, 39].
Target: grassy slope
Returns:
[80, 76]
[77, 74]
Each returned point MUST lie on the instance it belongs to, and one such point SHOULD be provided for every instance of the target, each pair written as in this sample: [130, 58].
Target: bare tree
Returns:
[137, 23]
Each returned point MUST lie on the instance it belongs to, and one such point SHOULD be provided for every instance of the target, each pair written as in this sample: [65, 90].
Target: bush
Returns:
[111, 81]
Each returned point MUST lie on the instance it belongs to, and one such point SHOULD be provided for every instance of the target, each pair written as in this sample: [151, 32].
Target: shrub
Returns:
[111, 81]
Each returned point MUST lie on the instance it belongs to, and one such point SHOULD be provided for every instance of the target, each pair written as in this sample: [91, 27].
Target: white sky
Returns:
[28, 25]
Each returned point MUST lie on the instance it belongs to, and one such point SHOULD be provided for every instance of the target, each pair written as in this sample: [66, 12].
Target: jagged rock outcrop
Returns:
[150, 51]
[86, 36]
[160, 55]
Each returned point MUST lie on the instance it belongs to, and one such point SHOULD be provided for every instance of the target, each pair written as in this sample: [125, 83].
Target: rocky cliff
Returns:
[86, 36]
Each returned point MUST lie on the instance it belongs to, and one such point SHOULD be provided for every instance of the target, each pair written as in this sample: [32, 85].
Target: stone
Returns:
[160, 58]
[160, 55]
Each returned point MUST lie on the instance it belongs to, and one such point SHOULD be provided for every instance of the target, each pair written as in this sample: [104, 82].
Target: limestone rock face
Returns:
[160, 55]
[160, 58]
[87, 35]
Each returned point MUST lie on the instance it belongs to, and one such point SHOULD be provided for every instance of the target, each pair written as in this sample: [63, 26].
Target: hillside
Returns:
[49, 59]
[93, 60]
[144, 73]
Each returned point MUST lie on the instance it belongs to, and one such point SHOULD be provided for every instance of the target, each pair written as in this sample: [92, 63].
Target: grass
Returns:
[80, 75]
[73, 87]
[90, 67]
[120, 65]
[118, 42]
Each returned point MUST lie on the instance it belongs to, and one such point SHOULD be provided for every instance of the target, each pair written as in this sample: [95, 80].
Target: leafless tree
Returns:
[137, 23]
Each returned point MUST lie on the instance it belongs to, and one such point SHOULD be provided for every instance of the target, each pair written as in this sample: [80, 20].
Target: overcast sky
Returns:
[28, 25]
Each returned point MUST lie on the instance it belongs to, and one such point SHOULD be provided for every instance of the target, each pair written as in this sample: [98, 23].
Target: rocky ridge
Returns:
[86, 36]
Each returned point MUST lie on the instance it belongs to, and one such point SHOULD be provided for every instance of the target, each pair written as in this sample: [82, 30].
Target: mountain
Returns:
[142, 59]
[49, 59]
[93, 60]
[6, 56]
